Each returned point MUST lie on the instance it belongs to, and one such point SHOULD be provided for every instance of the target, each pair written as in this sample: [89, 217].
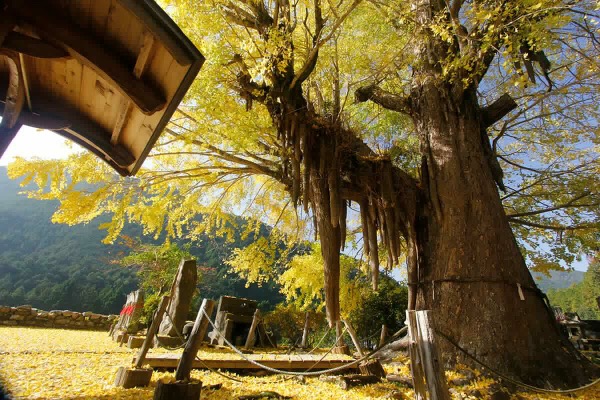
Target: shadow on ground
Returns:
[141, 393]
[4, 395]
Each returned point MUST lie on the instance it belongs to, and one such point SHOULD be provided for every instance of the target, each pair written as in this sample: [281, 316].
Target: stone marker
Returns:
[182, 292]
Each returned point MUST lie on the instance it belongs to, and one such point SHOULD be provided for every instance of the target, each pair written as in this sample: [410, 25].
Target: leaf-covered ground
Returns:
[63, 364]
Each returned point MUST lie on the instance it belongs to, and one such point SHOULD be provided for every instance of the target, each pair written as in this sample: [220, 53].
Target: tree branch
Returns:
[555, 227]
[568, 204]
[494, 112]
[383, 98]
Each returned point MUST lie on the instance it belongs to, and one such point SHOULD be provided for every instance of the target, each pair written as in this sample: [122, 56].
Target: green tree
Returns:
[156, 268]
[386, 306]
[581, 297]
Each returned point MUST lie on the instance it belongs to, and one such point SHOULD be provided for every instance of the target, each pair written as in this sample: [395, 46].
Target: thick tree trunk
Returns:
[330, 237]
[470, 271]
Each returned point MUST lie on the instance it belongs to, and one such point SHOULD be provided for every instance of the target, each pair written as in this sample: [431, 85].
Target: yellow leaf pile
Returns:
[76, 365]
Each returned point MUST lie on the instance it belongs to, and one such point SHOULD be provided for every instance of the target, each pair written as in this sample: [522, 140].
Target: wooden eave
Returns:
[107, 74]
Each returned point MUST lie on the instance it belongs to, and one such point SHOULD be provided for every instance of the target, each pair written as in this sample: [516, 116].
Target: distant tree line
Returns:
[580, 297]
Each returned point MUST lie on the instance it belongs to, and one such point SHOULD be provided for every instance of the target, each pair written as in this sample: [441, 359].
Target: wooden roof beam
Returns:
[90, 52]
[11, 109]
[75, 126]
[141, 64]
[15, 94]
[33, 47]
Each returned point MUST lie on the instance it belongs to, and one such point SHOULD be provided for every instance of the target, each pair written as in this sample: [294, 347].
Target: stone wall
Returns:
[29, 316]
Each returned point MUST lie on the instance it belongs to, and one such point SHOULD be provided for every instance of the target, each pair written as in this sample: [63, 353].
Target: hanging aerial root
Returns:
[334, 197]
[308, 163]
[364, 222]
[343, 216]
[374, 248]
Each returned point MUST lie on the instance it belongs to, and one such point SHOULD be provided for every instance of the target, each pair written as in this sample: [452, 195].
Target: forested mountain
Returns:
[55, 266]
[558, 279]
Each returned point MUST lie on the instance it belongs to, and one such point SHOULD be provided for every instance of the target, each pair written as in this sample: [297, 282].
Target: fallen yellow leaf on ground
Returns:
[76, 365]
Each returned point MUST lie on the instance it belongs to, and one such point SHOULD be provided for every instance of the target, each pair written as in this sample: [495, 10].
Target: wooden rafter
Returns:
[141, 64]
[32, 47]
[72, 124]
[15, 94]
[90, 52]
[9, 127]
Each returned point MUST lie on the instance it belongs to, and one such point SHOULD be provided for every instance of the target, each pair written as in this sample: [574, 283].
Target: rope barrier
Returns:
[514, 381]
[320, 341]
[316, 373]
[183, 341]
[217, 372]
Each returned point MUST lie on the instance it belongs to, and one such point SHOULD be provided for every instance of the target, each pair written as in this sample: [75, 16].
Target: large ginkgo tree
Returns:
[457, 138]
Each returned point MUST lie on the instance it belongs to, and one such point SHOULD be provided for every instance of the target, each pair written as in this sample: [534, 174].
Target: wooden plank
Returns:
[237, 306]
[92, 53]
[140, 67]
[252, 333]
[99, 10]
[144, 54]
[354, 338]
[73, 73]
[191, 348]
[140, 358]
[172, 360]
[426, 366]
[138, 130]
[416, 369]
[305, 331]
[32, 47]
[15, 94]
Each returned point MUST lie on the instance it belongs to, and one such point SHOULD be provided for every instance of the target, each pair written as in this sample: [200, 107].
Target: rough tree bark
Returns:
[470, 270]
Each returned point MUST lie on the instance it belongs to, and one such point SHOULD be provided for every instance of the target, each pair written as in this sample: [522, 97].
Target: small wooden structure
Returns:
[234, 322]
[106, 74]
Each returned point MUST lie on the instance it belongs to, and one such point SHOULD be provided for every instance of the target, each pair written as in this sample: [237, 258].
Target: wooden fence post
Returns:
[138, 376]
[427, 373]
[252, 333]
[383, 336]
[139, 360]
[352, 334]
[191, 347]
[305, 331]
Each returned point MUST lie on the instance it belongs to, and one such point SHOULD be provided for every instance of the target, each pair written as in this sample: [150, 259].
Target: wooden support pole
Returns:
[354, 338]
[139, 360]
[340, 346]
[427, 372]
[191, 347]
[252, 333]
[383, 337]
[305, 331]
[338, 334]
